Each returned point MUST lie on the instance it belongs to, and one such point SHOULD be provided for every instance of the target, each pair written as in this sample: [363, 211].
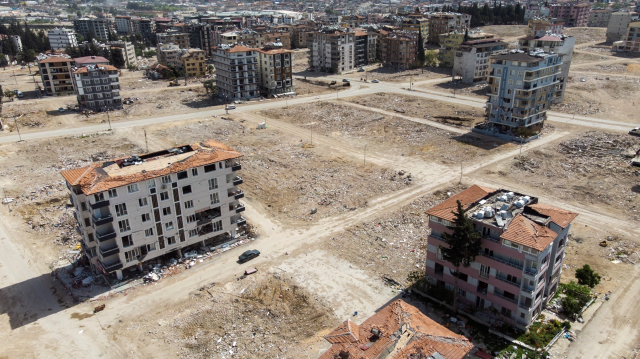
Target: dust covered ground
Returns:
[265, 315]
[587, 34]
[505, 31]
[387, 133]
[388, 74]
[478, 90]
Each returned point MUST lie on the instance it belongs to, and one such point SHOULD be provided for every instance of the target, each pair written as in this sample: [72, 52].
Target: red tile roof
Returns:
[472, 194]
[55, 59]
[91, 60]
[84, 70]
[558, 216]
[524, 231]
[402, 331]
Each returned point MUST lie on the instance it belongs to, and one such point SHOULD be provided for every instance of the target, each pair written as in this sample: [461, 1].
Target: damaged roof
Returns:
[561, 217]
[523, 230]
[398, 331]
[102, 176]
[467, 197]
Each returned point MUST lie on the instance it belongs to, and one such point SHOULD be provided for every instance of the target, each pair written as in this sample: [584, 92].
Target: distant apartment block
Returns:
[194, 62]
[134, 209]
[146, 28]
[444, 23]
[418, 23]
[522, 86]
[540, 26]
[174, 37]
[275, 70]
[236, 72]
[632, 41]
[365, 49]
[60, 38]
[127, 48]
[299, 36]
[169, 55]
[599, 18]
[523, 247]
[618, 25]
[98, 28]
[97, 87]
[201, 37]
[471, 61]
[332, 50]
[450, 42]
[123, 25]
[535, 11]
[55, 72]
[574, 14]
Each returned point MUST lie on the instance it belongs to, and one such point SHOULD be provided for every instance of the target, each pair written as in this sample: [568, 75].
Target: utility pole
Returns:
[460, 172]
[337, 91]
[365, 154]
[17, 128]
[145, 140]
[14, 76]
[108, 118]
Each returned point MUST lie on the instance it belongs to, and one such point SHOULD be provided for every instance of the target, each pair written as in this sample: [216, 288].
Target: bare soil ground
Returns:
[300, 60]
[476, 90]
[630, 68]
[505, 31]
[581, 57]
[312, 86]
[388, 74]
[613, 97]
[587, 34]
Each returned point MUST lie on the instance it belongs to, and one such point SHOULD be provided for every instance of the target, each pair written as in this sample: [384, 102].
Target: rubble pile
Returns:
[391, 246]
[389, 74]
[264, 316]
[595, 151]
[587, 34]
[612, 92]
[617, 249]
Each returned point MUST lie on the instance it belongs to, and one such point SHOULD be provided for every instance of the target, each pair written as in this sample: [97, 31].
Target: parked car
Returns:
[18, 93]
[231, 107]
[345, 80]
[61, 109]
[248, 255]
[361, 69]
[375, 81]
[635, 131]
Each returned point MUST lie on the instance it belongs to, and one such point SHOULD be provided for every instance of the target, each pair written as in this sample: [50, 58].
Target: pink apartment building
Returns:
[574, 14]
[518, 269]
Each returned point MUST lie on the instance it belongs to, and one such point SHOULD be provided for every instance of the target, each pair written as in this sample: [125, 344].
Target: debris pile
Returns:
[617, 249]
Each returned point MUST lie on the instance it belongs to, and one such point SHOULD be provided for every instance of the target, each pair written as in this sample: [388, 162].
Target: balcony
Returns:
[505, 298]
[109, 252]
[112, 267]
[101, 204]
[237, 208]
[507, 281]
[102, 220]
[237, 181]
[241, 221]
[236, 194]
[514, 265]
[105, 237]
[527, 289]
[236, 167]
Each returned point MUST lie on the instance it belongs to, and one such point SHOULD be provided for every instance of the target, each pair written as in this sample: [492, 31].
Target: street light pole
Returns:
[17, 128]
[365, 154]
[108, 118]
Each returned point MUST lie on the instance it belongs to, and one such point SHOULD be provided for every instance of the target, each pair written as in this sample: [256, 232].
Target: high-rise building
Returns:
[471, 61]
[130, 210]
[332, 50]
[124, 25]
[399, 49]
[599, 18]
[236, 71]
[98, 28]
[275, 70]
[618, 24]
[174, 37]
[194, 62]
[55, 72]
[574, 14]
[97, 87]
[444, 23]
[62, 38]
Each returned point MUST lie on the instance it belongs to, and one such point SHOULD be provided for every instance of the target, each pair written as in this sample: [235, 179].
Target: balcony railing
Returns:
[237, 180]
[102, 220]
[503, 297]
[514, 265]
[109, 252]
[507, 281]
[527, 289]
[236, 167]
[106, 236]
[238, 208]
[112, 267]
[101, 204]
[237, 194]
[241, 221]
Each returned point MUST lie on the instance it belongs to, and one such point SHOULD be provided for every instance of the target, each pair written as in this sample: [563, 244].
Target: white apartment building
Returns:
[134, 209]
[127, 48]
[99, 28]
[236, 71]
[169, 55]
[276, 70]
[332, 50]
[618, 24]
[124, 25]
[62, 38]
[97, 87]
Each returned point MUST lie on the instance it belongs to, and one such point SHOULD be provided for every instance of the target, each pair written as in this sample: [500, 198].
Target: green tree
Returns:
[587, 276]
[431, 58]
[210, 69]
[27, 56]
[117, 58]
[576, 297]
[10, 94]
[80, 38]
[464, 243]
[210, 87]
[420, 56]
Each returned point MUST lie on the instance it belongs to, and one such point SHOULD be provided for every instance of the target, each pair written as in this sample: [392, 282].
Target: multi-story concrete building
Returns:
[599, 18]
[98, 28]
[523, 247]
[535, 11]
[124, 25]
[618, 24]
[130, 210]
[574, 14]
[62, 38]
[417, 23]
[365, 50]
[399, 49]
[236, 72]
[299, 36]
[127, 48]
[562, 45]
[201, 37]
[632, 41]
[283, 38]
[90, 60]
[444, 23]
[55, 72]
[275, 70]
[540, 26]
[521, 88]
[169, 55]
[332, 49]
[194, 62]
[450, 42]
[471, 61]
[146, 28]
[97, 87]
[173, 37]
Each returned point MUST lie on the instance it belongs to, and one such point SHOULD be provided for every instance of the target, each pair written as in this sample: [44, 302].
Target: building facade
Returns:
[574, 14]
[471, 61]
[236, 72]
[173, 37]
[399, 50]
[169, 55]
[98, 28]
[194, 62]
[519, 266]
[618, 24]
[444, 23]
[275, 70]
[55, 72]
[123, 25]
[134, 209]
[97, 87]
[536, 27]
[127, 48]
[332, 50]
[599, 18]
[632, 41]
[521, 88]
[62, 38]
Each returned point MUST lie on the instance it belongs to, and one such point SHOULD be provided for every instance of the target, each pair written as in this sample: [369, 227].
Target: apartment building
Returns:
[399, 49]
[98, 28]
[97, 87]
[174, 37]
[417, 23]
[55, 73]
[332, 50]
[471, 61]
[146, 28]
[123, 25]
[599, 18]
[574, 14]
[523, 247]
[283, 38]
[450, 42]
[275, 65]
[535, 11]
[62, 38]
[169, 55]
[397, 331]
[299, 36]
[536, 27]
[632, 41]
[236, 72]
[365, 49]
[444, 23]
[194, 62]
[201, 37]
[562, 45]
[90, 60]
[618, 25]
[127, 48]
[521, 88]
[130, 210]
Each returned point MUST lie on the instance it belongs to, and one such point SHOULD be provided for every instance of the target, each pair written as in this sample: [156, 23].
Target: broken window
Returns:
[98, 197]
[182, 175]
[124, 225]
[191, 218]
[168, 226]
[217, 226]
[143, 202]
[113, 193]
[209, 168]
[131, 255]
[171, 240]
[193, 233]
[121, 209]
[186, 189]
[148, 232]
[127, 241]
[215, 197]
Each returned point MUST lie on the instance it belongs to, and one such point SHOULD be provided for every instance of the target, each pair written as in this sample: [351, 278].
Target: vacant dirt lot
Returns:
[587, 34]
[388, 74]
[505, 31]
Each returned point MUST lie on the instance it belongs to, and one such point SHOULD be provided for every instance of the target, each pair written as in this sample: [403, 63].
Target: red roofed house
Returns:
[519, 267]
[398, 331]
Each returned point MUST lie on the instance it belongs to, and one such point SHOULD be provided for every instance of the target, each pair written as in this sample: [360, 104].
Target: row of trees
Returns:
[32, 43]
[496, 15]
[115, 56]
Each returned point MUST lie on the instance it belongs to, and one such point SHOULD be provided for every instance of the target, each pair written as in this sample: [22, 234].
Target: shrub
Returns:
[587, 276]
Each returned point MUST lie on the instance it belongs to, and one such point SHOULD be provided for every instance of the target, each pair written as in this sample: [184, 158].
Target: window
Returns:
[213, 183]
[131, 255]
[166, 179]
[151, 247]
[215, 197]
[87, 223]
[506, 312]
[164, 196]
[90, 237]
[124, 226]
[151, 183]
[188, 204]
[217, 226]
[132, 188]
[209, 168]
[83, 206]
[98, 197]
[510, 82]
[143, 202]
[193, 233]
[113, 193]
[194, 172]
[127, 241]
[148, 232]
[186, 189]
[462, 292]
[191, 218]
[182, 175]
[168, 226]
[146, 217]
[171, 240]
[166, 211]
[438, 254]
[121, 209]
[463, 276]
